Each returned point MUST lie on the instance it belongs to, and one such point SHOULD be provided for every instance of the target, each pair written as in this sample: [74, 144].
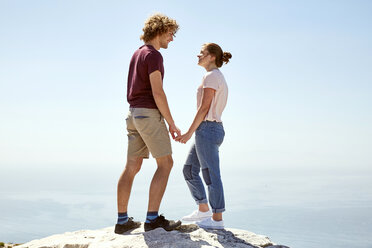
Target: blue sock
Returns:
[151, 216]
[122, 218]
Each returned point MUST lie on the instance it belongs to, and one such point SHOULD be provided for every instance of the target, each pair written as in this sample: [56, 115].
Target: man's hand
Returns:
[184, 138]
[174, 130]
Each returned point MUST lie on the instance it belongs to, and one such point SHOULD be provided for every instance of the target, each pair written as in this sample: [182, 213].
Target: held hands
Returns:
[173, 129]
[183, 138]
[176, 134]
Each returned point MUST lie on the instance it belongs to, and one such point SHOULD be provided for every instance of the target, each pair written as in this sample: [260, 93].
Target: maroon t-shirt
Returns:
[144, 61]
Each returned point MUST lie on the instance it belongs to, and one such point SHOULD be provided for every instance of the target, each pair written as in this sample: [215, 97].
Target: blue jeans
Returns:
[204, 154]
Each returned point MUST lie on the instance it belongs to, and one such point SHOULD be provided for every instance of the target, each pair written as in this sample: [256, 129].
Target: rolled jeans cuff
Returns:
[218, 210]
[201, 201]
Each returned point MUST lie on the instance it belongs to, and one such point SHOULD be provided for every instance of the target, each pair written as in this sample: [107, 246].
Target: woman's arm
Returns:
[207, 97]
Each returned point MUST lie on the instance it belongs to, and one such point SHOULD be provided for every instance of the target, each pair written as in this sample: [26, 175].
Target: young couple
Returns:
[147, 131]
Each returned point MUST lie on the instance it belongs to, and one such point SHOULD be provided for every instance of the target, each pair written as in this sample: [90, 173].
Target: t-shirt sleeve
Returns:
[210, 81]
[154, 62]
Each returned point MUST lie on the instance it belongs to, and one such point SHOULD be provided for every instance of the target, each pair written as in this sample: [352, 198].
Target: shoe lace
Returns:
[161, 217]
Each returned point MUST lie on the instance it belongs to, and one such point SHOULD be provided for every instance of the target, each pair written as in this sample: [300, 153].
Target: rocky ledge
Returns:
[188, 236]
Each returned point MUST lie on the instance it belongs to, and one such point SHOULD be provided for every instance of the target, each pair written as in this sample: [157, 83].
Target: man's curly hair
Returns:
[158, 24]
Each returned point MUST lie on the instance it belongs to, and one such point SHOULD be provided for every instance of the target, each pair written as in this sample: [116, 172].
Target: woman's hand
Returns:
[184, 138]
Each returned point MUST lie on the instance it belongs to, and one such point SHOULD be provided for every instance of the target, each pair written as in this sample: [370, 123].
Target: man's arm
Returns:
[161, 101]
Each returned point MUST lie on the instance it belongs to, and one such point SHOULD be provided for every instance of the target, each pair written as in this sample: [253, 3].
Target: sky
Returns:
[300, 81]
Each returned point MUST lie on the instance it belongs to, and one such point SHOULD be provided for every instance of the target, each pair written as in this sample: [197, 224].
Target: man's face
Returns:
[165, 39]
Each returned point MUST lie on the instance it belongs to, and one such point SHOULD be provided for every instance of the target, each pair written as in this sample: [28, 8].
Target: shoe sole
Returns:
[177, 224]
[209, 227]
[197, 219]
[129, 229]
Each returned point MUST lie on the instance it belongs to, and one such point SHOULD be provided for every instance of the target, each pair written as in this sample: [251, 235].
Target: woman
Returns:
[209, 134]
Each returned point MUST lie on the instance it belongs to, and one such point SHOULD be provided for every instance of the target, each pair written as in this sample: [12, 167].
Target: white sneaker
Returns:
[197, 216]
[211, 224]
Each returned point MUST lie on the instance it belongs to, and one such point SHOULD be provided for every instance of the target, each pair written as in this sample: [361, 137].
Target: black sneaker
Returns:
[160, 221]
[122, 228]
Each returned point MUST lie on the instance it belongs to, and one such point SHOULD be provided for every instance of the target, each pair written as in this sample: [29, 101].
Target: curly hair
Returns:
[158, 24]
[216, 51]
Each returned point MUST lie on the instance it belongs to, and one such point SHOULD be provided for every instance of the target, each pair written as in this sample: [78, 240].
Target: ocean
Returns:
[298, 208]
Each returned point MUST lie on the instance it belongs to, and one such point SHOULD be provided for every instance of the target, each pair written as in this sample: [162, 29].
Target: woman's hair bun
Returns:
[226, 56]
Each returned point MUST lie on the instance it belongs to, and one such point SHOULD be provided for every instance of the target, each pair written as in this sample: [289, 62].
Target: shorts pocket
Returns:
[206, 176]
[187, 172]
[141, 117]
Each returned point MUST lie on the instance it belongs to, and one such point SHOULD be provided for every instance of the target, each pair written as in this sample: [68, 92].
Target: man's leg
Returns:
[151, 126]
[159, 182]
[124, 188]
[157, 189]
[125, 182]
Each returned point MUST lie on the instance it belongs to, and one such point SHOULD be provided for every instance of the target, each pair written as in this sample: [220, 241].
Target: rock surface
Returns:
[188, 236]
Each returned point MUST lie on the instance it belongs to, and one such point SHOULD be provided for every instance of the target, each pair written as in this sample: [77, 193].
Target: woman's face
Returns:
[204, 58]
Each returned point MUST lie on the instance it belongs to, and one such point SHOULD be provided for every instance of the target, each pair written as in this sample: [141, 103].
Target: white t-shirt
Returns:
[215, 80]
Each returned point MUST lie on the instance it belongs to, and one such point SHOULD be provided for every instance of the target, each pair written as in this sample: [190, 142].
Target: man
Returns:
[147, 131]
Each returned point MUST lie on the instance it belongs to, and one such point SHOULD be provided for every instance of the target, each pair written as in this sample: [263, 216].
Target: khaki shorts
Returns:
[147, 132]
